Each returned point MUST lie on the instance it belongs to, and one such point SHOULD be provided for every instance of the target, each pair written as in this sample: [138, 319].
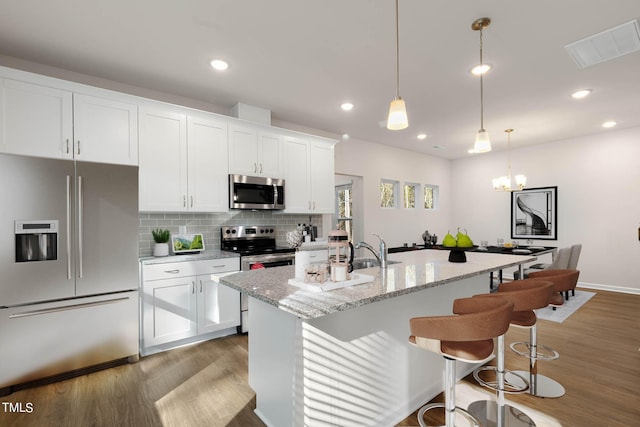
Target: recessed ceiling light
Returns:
[609, 124]
[346, 106]
[581, 93]
[219, 64]
[422, 136]
[480, 69]
[345, 136]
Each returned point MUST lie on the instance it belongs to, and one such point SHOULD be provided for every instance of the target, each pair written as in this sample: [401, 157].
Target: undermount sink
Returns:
[368, 262]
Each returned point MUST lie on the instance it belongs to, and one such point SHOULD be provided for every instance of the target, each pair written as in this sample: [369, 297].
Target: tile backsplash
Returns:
[209, 225]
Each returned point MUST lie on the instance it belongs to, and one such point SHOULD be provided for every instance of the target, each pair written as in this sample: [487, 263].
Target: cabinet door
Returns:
[218, 305]
[163, 160]
[105, 131]
[322, 178]
[297, 190]
[208, 164]
[169, 310]
[36, 120]
[243, 149]
[270, 154]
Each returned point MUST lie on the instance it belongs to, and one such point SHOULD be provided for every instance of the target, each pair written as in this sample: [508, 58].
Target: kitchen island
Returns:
[342, 357]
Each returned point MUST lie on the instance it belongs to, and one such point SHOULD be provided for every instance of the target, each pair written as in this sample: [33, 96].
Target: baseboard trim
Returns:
[64, 376]
[597, 286]
[620, 289]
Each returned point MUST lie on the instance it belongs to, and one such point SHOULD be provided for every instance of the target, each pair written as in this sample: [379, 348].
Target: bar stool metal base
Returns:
[490, 414]
[458, 410]
[542, 386]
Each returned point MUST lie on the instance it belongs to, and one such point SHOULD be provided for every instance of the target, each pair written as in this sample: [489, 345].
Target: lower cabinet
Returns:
[184, 302]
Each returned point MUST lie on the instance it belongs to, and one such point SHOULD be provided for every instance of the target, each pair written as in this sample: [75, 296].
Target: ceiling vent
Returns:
[608, 44]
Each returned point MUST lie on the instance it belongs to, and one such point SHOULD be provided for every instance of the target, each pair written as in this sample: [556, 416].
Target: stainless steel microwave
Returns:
[255, 192]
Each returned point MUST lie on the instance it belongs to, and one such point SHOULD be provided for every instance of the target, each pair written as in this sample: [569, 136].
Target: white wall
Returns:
[374, 162]
[598, 180]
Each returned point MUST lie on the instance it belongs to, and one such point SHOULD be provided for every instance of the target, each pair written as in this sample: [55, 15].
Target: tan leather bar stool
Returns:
[540, 385]
[564, 281]
[526, 296]
[466, 336]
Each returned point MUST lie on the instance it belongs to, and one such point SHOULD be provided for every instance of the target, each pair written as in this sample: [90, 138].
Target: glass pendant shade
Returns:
[397, 119]
[521, 181]
[482, 144]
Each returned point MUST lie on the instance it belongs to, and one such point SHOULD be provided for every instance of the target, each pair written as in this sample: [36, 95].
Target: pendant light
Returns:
[503, 183]
[397, 118]
[482, 144]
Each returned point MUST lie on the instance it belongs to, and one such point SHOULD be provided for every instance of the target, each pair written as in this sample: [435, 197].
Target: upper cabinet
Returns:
[309, 178]
[36, 120]
[255, 150]
[183, 160]
[42, 121]
[105, 130]
[208, 170]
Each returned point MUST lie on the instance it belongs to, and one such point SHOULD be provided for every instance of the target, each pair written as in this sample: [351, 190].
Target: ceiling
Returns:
[301, 59]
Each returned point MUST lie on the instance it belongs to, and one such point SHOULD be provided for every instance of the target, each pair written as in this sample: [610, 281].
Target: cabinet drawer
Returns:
[168, 271]
[220, 265]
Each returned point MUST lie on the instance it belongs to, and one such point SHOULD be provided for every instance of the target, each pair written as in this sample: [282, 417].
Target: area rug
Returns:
[560, 314]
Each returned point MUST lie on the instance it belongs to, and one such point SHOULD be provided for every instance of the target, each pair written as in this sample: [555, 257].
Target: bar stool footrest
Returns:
[541, 352]
[470, 418]
[513, 383]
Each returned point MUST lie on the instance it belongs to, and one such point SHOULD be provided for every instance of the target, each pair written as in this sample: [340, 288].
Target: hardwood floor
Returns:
[206, 384]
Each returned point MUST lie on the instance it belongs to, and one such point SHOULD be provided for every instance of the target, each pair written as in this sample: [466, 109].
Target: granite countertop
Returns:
[204, 255]
[415, 271]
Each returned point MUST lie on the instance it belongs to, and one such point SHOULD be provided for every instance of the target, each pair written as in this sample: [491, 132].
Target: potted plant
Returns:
[161, 237]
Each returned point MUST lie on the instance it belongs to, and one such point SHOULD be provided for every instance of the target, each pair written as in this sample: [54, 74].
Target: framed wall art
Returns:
[534, 213]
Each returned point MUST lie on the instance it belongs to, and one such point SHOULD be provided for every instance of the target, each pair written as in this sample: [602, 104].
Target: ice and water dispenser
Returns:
[36, 240]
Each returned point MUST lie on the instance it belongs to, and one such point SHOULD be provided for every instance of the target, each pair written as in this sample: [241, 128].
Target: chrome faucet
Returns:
[381, 256]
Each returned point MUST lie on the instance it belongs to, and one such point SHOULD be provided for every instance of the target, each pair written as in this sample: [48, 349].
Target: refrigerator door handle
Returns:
[80, 224]
[69, 227]
[66, 307]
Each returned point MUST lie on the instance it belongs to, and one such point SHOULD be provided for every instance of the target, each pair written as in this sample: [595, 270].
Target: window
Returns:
[388, 193]
[344, 209]
[430, 196]
[409, 193]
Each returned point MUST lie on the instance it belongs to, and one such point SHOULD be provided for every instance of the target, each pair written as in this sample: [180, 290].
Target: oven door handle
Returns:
[246, 261]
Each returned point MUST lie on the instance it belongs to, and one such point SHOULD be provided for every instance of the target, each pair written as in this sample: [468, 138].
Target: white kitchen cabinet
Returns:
[183, 160]
[218, 305]
[309, 175]
[169, 307]
[184, 302]
[36, 120]
[105, 130]
[207, 165]
[255, 150]
[163, 159]
[44, 121]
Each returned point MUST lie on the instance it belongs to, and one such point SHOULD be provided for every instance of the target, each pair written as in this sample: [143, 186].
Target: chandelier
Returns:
[503, 183]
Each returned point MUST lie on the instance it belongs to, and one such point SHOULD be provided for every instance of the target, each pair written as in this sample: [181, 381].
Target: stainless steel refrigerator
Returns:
[68, 266]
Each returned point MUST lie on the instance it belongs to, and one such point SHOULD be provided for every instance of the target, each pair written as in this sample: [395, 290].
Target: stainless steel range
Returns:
[257, 247]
